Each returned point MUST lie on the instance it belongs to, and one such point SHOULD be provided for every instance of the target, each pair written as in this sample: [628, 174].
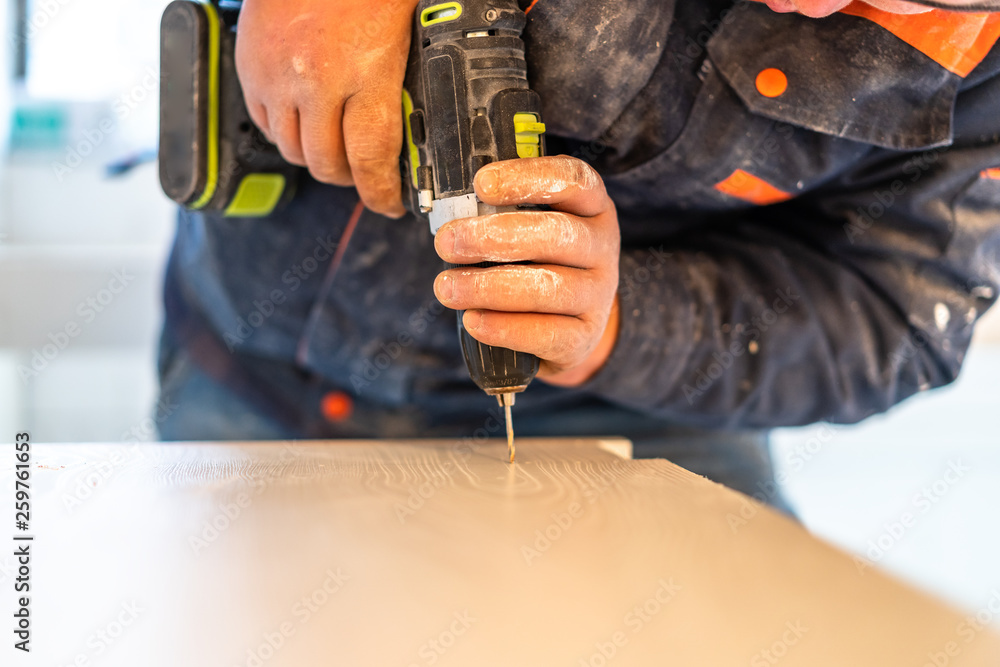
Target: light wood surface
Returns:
[437, 553]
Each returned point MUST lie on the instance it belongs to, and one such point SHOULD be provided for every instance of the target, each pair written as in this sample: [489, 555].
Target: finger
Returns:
[564, 183]
[258, 114]
[519, 288]
[284, 126]
[579, 373]
[373, 136]
[323, 145]
[560, 341]
[545, 237]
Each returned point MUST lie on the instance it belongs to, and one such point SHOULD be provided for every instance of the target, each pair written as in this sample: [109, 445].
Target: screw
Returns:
[491, 15]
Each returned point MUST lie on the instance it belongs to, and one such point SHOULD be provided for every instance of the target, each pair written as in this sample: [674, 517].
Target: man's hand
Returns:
[323, 80]
[563, 307]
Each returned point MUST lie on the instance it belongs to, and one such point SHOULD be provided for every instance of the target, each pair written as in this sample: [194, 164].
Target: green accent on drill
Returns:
[440, 14]
[414, 155]
[527, 134]
[213, 108]
[257, 195]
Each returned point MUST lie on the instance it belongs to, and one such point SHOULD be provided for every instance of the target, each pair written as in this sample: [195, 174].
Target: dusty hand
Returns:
[323, 80]
[563, 307]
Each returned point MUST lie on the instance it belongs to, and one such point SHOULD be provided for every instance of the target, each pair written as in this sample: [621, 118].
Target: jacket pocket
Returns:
[844, 76]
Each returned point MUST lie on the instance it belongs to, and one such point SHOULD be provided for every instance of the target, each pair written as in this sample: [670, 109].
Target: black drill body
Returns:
[466, 98]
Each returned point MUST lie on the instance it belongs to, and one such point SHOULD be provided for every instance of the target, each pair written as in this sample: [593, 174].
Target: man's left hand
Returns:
[563, 307]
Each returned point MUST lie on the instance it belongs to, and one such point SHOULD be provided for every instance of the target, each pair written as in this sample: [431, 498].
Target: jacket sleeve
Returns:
[833, 306]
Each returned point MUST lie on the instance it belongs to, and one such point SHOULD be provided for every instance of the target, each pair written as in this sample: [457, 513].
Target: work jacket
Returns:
[809, 211]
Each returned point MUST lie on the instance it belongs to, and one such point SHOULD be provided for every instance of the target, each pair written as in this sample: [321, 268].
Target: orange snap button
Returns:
[772, 82]
[336, 406]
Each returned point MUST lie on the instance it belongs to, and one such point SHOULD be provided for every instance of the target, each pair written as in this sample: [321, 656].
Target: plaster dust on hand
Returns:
[558, 175]
[543, 234]
[298, 62]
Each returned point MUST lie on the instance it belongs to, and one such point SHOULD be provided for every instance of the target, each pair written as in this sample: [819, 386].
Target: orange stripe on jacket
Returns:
[746, 186]
[957, 41]
[992, 173]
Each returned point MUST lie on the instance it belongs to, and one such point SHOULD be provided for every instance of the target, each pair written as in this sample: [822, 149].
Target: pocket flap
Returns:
[844, 76]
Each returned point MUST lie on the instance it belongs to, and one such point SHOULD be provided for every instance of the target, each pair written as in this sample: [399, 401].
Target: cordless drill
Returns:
[466, 103]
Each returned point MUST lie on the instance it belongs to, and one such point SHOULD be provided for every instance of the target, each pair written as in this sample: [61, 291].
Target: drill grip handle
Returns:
[495, 370]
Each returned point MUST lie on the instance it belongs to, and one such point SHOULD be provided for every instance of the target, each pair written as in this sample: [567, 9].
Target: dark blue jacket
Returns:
[822, 253]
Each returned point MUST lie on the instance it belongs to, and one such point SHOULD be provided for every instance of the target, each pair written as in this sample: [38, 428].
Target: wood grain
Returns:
[439, 553]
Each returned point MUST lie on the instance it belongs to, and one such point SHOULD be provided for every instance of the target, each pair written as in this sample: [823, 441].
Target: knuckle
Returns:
[369, 155]
[592, 288]
[567, 232]
[547, 287]
[583, 174]
[372, 168]
[568, 344]
[490, 330]
[258, 115]
[379, 190]
[578, 168]
[328, 171]
[291, 154]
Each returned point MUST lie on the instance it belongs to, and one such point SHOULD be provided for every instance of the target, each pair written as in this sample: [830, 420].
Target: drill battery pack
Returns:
[211, 155]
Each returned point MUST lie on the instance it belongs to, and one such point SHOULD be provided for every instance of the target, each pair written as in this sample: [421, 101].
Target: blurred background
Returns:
[81, 252]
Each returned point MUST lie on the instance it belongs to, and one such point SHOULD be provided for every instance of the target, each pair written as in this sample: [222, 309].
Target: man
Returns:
[769, 215]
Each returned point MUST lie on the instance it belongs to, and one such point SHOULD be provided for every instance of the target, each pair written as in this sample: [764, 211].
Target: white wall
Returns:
[66, 241]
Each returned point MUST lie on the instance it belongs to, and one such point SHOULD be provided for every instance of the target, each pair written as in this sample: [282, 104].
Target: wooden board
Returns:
[439, 553]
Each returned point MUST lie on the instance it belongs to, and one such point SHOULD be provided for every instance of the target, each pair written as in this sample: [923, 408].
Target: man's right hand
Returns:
[323, 80]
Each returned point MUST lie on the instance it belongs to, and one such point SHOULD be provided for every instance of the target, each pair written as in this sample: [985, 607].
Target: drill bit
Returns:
[510, 433]
[507, 400]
